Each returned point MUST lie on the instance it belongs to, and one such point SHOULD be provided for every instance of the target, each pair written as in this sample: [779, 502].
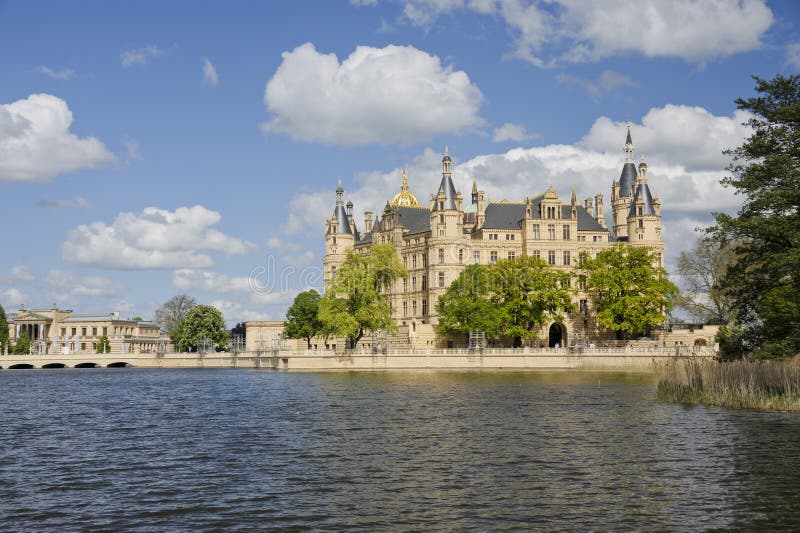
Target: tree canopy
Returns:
[202, 321]
[765, 233]
[703, 270]
[354, 302]
[103, 345]
[512, 297]
[169, 315]
[3, 327]
[302, 317]
[23, 344]
[630, 294]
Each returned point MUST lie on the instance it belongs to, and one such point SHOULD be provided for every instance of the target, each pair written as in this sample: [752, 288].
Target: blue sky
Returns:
[154, 148]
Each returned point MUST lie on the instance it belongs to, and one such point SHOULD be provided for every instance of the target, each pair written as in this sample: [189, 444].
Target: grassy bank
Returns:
[768, 385]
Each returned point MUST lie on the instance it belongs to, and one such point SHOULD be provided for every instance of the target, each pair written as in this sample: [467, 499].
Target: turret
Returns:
[339, 235]
[600, 215]
[644, 214]
[622, 190]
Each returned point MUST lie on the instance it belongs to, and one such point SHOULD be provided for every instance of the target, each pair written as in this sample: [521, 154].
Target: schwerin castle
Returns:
[437, 241]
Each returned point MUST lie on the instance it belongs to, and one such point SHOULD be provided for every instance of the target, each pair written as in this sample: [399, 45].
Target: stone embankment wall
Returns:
[631, 358]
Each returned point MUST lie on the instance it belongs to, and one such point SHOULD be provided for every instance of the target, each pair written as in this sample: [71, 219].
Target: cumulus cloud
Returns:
[793, 55]
[510, 132]
[210, 76]
[153, 239]
[676, 134]
[546, 31]
[21, 274]
[11, 298]
[36, 143]
[187, 279]
[607, 82]
[64, 203]
[235, 312]
[140, 56]
[65, 286]
[63, 74]
[376, 95]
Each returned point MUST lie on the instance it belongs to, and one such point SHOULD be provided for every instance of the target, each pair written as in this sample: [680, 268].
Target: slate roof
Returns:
[508, 216]
[627, 179]
[643, 192]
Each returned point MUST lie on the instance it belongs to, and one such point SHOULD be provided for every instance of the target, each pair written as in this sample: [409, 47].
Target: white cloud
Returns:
[63, 74]
[676, 134]
[793, 55]
[510, 132]
[21, 274]
[140, 56]
[694, 31]
[132, 149]
[11, 298]
[65, 286]
[209, 73]
[64, 203]
[234, 312]
[547, 31]
[376, 95]
[187, 279]
[36, 143]
[607, 82]
[154, 238]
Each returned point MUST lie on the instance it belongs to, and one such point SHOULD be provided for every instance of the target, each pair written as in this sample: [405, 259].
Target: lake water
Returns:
[128, 449]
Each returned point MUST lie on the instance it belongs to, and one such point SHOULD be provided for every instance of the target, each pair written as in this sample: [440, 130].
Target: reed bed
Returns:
[767, 384]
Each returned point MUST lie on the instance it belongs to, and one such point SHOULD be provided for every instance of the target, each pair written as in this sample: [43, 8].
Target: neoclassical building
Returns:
[62, 331]
[438, 240]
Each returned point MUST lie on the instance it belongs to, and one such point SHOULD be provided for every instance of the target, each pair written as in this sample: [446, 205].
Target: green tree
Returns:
[530, 293]
[103, 345]
[3, 328]
[354, 302]
[302, 317]
[703, 270]
[764, 279]
[202, 321]
[137, 319]
[467, 304]
[630, 294]
[23, 344]
[172, 312]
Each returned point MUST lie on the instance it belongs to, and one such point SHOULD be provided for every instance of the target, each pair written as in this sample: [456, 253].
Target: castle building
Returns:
[438, 240]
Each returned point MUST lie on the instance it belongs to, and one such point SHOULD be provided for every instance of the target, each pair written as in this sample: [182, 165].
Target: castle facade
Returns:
[438, 240]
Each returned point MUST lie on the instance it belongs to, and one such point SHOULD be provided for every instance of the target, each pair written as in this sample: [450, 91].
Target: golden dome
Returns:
[405, 198]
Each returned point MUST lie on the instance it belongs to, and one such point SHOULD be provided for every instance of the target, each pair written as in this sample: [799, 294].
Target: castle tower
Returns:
[339, 236]
[446, 250]
[622, 191]
[644, 215]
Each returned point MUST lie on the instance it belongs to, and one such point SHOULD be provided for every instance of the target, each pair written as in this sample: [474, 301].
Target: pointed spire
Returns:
[474, 186]
[628, 148]
[339, 193]
[574, 197]
[404, 185]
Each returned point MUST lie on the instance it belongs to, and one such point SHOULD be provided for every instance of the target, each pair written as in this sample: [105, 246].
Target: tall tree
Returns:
[103, 345]
[703, 270]
[764, 280]
[631, 295]
[172, 312]
[468, 305]
[302, 317]
[23, 344]
[530, 293]
[3, 328]
[354, 302]
[201, 321]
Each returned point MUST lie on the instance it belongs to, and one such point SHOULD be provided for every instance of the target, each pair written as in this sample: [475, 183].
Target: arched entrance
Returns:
[556, 336]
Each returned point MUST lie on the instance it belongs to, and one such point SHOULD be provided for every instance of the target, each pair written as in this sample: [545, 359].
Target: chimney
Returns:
[601, 216]
[587, 204]
[367, 221]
